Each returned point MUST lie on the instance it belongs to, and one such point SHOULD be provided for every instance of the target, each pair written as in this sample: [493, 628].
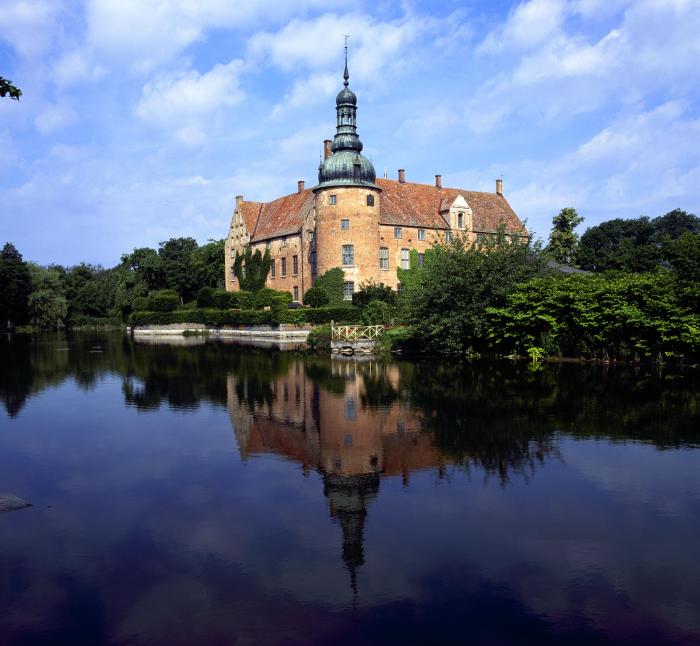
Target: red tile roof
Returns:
[402, 204]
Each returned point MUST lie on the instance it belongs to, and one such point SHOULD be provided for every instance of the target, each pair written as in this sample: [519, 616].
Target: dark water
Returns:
[216, 494]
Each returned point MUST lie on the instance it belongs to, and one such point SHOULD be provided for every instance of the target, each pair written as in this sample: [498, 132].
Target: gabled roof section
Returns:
[282, 216]
[250, 212]
[423, 205]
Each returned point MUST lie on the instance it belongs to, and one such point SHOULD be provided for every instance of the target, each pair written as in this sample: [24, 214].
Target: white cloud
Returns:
[528, 24]
[28, 25]
[184, 101]
[74, 66]
[53, 117]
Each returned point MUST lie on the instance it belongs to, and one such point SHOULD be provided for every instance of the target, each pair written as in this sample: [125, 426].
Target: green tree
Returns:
[15, 287]
[178, 268]
[48, 307]
[563, 240]
[331, 282]
[446, 300]
[315, 297]
[251, 269]
[370, 291]
[626, 245]
[7, 89]
[148, 265]
[208, 264]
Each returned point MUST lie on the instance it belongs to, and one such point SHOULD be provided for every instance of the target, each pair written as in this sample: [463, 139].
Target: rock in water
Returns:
[9, 502]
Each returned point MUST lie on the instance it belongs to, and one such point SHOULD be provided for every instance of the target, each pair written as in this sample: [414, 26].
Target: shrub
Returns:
[140, 304]
[243, 300]
[399, 339]
[165, 300]
[268, 297]
[371, 291]
[319, 338]
[205, 297]
[316, 297]
[376, 313]
[332, 283]
[223, 300]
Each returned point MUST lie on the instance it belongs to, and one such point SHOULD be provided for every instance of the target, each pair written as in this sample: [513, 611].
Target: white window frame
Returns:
[384, 258]
[348, 252]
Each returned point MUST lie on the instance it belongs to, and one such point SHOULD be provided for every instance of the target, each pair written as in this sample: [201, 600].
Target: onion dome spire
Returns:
[346, 166]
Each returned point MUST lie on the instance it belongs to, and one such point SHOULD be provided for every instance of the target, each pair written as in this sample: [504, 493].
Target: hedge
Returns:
[274, 316]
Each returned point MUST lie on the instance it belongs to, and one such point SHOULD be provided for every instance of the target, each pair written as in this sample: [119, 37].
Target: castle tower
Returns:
[347, 200]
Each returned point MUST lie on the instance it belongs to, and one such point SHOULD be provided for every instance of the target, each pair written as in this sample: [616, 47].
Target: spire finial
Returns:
[346, 75]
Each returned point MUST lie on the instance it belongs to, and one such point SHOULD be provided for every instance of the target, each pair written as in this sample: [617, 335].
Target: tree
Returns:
[446, 300]
[148, 265]
[332, 282]
[178, 269]
[47, 305]
[251, 269]
[563, 240]
[7, 89]
[208, 264]
[315, 297]
[370, 291]
[15, 287]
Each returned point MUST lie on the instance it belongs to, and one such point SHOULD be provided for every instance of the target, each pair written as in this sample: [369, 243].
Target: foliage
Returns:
[251, 269]
[370, 291]
[316, 297]
[332, 283]
[398, 339]
[7, 89]
[176, 256]
[165, 300]
[445, 302]
[376, 313]
[15, 287]
[683, 254]
[604, 316]
[208, 264]
[48, 307]
[243, 300]
[636, 245]
[268, 297]
[140, 304]
[319, 339]
[205, 297]
[563, 240]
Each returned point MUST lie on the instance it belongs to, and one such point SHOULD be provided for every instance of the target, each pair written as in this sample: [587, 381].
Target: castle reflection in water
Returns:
[346, 421]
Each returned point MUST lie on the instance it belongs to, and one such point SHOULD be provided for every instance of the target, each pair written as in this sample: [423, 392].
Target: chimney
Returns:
[499, 187]
[402, 176]
[239, 200]
[326, 148]
[300, 186]
[438, 181]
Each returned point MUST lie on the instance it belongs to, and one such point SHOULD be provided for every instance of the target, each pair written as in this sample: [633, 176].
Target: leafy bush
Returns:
[268, 297]
[376, 313]
[140, 303]
[243, 300]
[399, 339]
[604, 316]
[332, 283]
[319, 338]
[205, 297]
[223, 300]
[371, 291]
[165, 300]
[316, 297]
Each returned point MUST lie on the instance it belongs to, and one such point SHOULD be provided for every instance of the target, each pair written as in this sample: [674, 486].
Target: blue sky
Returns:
[142, 119]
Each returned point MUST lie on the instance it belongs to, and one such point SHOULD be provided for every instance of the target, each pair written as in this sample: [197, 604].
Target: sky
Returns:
[141, 120]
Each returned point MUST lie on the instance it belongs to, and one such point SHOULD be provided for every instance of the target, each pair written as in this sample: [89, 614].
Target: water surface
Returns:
[193, 493]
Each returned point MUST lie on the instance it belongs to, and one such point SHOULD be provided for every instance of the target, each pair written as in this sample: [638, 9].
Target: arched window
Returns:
[460, 221]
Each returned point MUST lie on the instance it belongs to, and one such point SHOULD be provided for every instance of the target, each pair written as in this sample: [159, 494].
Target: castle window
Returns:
[313, 262]
[272, 269]
[448, 236]
[348, 289]
[397, 233]
[421, 259]
[370, 200]
[383, 258]
[460, 221]
[348, 255]
[283, 268]
[296, 294]
[421, 234]
[345, 224]
[295, 265]
[405, 259]
[332, 200]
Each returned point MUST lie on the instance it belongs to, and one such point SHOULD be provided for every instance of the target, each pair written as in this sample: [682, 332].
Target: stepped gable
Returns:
[421, 205]
[282, 216]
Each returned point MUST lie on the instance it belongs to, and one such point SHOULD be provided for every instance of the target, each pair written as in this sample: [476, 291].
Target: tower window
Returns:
[345, 224]
[397, 233]
[348, 255]
[313, 262]
[295, 265]
[332, 200]
[421, 234]
[370, 200]
[348, 289]
[383, 258]
[405, 259]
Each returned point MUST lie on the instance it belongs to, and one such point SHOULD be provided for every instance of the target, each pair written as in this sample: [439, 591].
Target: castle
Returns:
[351, 219]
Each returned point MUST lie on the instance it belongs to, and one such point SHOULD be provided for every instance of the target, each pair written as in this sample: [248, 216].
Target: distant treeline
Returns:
[53, 296]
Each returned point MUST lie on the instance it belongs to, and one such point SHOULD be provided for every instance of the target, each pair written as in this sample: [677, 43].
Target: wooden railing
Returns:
[356, 332]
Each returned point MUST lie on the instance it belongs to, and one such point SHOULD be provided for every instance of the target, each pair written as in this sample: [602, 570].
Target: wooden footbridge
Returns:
[354, 339]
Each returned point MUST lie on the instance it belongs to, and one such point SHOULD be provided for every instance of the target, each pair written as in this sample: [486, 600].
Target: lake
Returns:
[194, 492]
